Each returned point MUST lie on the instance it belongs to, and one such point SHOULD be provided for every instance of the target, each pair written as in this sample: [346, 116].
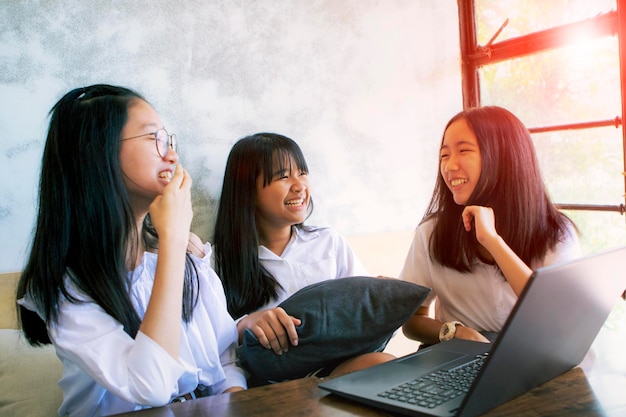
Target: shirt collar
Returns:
[298, 235]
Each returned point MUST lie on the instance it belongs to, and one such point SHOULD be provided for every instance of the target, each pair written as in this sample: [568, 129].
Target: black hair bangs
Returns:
[279, 153]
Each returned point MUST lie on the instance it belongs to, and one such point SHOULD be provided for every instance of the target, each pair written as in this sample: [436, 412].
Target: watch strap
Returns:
[448, 330]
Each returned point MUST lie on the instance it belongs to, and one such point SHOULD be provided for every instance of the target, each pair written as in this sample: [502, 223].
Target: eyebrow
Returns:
[460, 143]
[151, 125]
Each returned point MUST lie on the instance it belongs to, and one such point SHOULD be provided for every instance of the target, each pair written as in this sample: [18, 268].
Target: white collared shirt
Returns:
[481, 299]
[312, 255]
[105, 371]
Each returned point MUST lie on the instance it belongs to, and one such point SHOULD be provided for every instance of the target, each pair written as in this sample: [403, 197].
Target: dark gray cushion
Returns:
[341, 318]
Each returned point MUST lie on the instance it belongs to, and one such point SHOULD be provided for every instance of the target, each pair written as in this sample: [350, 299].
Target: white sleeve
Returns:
[417, 264]
[235, 376]
[566, 250]
[137, 370]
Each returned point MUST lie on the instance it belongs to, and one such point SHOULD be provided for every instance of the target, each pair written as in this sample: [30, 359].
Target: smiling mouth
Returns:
[457, 182]
[166, 176]
[294, 203]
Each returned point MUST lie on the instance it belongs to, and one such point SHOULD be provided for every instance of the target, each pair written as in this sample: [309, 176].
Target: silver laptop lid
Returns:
[551, 328]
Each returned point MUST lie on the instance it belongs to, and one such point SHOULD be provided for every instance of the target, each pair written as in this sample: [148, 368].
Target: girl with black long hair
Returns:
[115, 280]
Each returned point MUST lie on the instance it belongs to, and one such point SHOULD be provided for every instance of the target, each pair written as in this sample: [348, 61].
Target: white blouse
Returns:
[312, 255]
[105, 371]
[481, 299]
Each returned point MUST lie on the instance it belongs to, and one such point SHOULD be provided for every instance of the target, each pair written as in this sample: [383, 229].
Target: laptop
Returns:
[548, 332]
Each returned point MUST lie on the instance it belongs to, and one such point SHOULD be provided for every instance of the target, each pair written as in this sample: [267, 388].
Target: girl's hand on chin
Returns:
[483, 220]
[171, 212]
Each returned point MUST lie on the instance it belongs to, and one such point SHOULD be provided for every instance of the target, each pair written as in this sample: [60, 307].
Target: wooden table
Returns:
[571, 394]
[567, 395]
[596, 388]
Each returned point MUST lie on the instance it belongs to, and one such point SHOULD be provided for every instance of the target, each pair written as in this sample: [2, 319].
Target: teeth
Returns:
[456, 182]
[166, 175]
[297, 202]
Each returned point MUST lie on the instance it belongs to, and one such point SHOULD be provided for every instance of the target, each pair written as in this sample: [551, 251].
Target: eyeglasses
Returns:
[164, 141]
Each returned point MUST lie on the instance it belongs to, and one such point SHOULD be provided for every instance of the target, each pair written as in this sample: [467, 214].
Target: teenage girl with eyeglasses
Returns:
[115, 280]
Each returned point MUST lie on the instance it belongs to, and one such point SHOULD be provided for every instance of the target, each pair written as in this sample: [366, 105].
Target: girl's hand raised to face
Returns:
[484, 223]
[513, 268]
[171, 212]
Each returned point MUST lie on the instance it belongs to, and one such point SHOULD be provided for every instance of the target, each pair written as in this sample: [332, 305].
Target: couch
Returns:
[28, 375]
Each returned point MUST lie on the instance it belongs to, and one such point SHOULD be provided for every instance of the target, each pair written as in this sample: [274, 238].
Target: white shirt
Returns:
[312, 255]
[481, 299]
[105, 371]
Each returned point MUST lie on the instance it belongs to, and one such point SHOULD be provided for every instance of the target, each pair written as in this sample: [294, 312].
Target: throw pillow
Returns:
[341, 318]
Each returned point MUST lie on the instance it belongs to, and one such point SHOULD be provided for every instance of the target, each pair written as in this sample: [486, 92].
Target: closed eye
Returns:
[280, 175]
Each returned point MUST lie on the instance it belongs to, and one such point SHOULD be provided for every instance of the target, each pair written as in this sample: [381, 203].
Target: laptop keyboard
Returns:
[436, 388]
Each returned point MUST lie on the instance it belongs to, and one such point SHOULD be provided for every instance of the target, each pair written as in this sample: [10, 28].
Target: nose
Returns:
[298, 186]
[171, 155]
[450, 164]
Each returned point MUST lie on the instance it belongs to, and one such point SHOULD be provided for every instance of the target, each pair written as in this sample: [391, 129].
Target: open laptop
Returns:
[549, 331]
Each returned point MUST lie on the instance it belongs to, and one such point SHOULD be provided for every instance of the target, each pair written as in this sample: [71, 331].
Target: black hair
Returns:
[85, 227]
[510, 183]
[248, 286]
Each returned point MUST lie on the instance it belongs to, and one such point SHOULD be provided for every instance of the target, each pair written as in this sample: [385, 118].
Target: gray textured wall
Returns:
[365, 87]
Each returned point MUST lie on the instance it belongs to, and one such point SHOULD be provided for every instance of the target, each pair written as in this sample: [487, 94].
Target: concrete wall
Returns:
[364, 86]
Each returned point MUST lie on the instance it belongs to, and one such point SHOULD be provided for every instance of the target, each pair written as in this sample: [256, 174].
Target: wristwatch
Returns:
[448, 330]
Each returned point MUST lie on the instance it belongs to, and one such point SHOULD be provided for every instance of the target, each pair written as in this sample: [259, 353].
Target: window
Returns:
[556, 65]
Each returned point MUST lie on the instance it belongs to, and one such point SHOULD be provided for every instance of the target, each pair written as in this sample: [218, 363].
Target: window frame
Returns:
[474, 56]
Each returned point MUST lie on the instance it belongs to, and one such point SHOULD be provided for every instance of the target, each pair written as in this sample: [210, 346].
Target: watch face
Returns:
[448, 330]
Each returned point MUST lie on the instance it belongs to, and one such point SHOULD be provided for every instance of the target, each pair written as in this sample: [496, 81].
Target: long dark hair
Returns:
[85, 226]
[510, 182]
[247, 284]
